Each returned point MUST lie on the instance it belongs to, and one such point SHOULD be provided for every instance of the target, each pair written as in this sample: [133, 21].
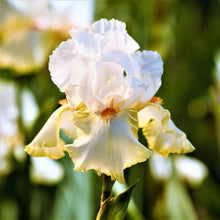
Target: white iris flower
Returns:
[109, 86]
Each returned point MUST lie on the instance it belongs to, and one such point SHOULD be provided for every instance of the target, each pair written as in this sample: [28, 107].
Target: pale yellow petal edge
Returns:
[47, 143]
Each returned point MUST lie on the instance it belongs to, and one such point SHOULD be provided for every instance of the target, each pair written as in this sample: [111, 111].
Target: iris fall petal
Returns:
[47, 143]
[161, 133]
[110, 146]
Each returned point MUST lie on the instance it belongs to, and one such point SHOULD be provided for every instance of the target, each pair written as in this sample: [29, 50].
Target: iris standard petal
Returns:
[103, 25]
[105, 71]
[66, 66]
[87, 44]
[116, 34]
[161, 133]
[47, 143]
[60, 64]
[148, 68]
[111, 145]
[86, 92]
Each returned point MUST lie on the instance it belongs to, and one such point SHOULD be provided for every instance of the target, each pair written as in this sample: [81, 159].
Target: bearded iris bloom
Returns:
[110, 87]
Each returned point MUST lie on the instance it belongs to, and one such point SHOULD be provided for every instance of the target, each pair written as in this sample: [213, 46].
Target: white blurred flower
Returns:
[107, 81]
[55, 14]
[45, 171]
[11, 141]
[29, 108]
[161, 167]
[190, 169]
[30, 29]
[8, 110]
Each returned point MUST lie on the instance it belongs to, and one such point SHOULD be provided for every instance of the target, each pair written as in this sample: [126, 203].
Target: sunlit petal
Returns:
[47, 143]
[118, 39]
[161, 133]
[111, 145]
[148, 68]
[72, 96]
[67, 125]
[65, 65]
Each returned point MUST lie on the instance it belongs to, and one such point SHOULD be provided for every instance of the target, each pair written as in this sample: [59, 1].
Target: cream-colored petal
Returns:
[47, 143]
[83, 119]
[66, 124]
[111, 146]
[161, 133]
[72, 96]
[19, 52]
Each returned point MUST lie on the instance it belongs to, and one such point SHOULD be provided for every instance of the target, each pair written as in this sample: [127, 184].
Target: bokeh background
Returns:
[186, 34]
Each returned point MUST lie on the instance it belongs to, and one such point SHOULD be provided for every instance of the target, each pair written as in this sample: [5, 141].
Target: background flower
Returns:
[30, 29]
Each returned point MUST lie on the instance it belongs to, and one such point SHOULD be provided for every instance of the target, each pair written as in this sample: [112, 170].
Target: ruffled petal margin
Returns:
[47, 143]
[161, 133]
[110, 147]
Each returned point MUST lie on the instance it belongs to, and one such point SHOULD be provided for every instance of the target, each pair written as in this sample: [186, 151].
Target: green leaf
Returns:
[116, 207]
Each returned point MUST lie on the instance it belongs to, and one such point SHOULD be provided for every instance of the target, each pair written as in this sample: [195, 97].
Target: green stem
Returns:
[106, 195]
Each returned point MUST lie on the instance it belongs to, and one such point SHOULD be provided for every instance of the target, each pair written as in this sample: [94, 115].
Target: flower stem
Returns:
[106, 195]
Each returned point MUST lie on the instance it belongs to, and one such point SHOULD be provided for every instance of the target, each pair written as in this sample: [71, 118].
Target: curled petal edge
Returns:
[162, 135]
[47, 143]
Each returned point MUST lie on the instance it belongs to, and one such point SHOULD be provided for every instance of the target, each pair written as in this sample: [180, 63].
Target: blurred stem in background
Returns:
[216, 111]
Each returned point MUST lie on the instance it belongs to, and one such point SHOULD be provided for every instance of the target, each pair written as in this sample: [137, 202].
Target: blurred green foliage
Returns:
[186, 34]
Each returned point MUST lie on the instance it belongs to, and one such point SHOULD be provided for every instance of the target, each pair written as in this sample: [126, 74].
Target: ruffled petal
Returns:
[60, 63]
[90, 66]
[122, 58]
[144, 68]
[66, 66]
[161, 133]
[87, 44]
[86, 92]
[105, 71]
[47, 143]
[102, 37]
[103, 25]
[148, 68]
[117, 37]
[110, 147]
